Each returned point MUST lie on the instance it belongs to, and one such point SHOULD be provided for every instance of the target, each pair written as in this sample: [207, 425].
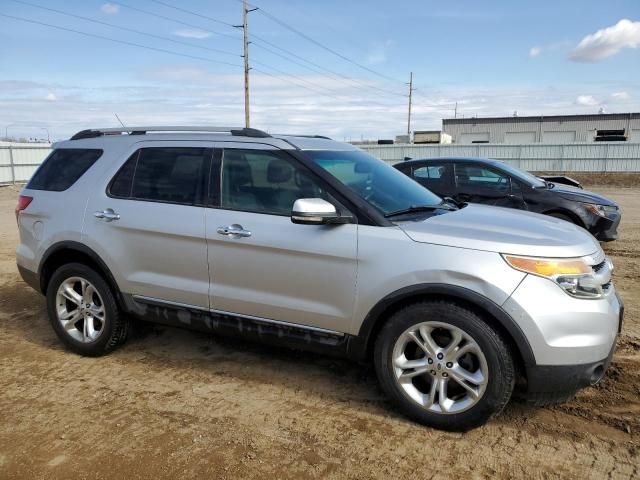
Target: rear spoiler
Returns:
[562, 180]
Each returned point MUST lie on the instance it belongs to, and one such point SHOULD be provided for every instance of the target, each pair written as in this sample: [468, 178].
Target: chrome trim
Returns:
[145, 299]
[278, 322]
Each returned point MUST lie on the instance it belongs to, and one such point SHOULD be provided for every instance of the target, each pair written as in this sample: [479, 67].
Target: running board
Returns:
[263, 330]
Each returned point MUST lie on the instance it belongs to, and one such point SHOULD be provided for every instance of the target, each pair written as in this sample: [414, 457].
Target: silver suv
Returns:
[313, 244]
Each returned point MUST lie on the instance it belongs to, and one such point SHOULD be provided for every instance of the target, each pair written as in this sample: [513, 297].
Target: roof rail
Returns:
[236, 131]
[304, 136]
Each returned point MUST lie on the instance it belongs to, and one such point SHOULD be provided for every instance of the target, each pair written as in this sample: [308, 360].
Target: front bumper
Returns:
[605, 229]
[563, 330]
[559, 379]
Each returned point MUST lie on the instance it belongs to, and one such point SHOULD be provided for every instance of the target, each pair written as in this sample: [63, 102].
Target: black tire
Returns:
[115, 327]
[501, 369]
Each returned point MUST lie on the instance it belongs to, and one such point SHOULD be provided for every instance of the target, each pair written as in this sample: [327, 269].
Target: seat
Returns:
[237, 182]
[279, 173]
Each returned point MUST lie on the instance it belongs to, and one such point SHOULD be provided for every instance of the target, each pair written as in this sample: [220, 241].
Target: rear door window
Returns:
[164, 174]
[62, 168]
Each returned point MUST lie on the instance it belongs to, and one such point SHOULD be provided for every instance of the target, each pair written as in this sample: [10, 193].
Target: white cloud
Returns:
[607, 42]
[379, 52]
[192, 33]
[535, 52]
[110, 8]
[621, 96]
[587, 100]
[190, 94]
[51, 97]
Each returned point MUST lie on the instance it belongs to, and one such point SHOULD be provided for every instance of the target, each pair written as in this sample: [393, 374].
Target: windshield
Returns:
[384, 187]
[523, 175]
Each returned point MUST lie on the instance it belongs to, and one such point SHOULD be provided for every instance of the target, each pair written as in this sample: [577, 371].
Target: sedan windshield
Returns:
[377, 182]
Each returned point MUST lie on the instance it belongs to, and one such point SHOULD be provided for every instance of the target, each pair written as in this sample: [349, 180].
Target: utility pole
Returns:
[455, 111]
[245, 29]
[410, 95]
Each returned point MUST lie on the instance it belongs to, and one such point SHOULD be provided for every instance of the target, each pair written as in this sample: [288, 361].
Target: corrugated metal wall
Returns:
[543, 129]
[17, 163]
[588, 157]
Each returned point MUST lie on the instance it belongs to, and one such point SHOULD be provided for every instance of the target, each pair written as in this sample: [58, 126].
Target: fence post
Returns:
[12, 165]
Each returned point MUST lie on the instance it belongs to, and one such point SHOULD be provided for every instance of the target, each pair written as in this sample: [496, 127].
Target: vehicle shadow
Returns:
[23, 314]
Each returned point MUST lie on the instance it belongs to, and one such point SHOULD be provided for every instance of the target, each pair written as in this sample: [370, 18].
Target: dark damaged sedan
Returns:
[492, 182]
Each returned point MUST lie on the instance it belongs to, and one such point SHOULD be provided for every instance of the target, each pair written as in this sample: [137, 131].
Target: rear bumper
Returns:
[30, 278]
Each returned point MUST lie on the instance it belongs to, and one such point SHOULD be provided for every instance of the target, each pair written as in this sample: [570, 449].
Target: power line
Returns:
[161, 50]
[157, 15]
[321, 45]
[124, 42]
[258, 40]
[184, 10]
[126, 29]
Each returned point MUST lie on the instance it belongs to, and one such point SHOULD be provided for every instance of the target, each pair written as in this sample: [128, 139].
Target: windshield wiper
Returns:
[420, 208]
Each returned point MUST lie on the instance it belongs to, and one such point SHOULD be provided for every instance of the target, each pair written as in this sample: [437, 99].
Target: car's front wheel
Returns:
[444, 366]
[83, 311]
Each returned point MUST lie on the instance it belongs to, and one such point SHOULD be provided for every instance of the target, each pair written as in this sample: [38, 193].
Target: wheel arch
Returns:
[362, 345]
[575, 218]
[74, 252]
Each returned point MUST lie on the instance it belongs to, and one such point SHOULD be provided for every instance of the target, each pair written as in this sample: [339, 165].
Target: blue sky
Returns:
[491, 57]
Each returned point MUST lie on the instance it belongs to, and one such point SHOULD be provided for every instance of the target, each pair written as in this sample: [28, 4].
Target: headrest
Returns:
[279, 171]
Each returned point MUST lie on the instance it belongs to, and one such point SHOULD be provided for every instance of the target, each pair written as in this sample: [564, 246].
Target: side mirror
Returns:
[315, 211]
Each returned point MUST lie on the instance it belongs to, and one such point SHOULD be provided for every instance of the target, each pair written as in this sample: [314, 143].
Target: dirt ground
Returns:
[179, 404]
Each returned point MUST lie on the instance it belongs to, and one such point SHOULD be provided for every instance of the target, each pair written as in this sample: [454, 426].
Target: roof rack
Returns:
[304, 136]
[235, 131]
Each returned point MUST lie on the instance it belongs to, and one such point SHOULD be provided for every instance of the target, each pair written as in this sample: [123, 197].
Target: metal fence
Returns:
[585, 157]
[17, 163]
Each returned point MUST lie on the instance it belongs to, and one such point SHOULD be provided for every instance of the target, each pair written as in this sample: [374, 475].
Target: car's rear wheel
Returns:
[83, 311]
[444, 366]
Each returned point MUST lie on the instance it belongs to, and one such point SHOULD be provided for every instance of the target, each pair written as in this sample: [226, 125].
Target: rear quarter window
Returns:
[62, 168]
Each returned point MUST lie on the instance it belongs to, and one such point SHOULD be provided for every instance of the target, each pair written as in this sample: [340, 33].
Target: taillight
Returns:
[23, 202]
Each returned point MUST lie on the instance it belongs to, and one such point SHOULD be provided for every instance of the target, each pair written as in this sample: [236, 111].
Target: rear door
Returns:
[275, 269]
[147, 223]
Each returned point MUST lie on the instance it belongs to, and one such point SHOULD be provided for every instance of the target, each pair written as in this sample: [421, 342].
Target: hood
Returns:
[503, 230]
[579, 195]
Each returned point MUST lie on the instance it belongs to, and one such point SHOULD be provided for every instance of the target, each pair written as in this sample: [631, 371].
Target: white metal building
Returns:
[557, 129]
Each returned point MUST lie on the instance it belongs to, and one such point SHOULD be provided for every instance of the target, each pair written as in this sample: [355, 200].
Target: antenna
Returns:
[123, 126]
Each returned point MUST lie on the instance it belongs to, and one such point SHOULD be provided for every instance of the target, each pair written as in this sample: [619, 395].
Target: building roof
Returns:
[540, 118]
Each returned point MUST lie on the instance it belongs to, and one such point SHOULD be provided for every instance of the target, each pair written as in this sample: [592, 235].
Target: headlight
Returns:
[574, 275]
[600, 210]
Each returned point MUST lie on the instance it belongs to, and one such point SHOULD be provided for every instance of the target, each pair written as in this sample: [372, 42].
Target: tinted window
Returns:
[264, 182]
[431, 171]
[121, 183]
[478, 176]
[62, 168]
[175, 175]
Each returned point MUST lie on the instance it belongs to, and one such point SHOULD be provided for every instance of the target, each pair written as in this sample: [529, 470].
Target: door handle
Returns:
[234, 231]
[108, 215]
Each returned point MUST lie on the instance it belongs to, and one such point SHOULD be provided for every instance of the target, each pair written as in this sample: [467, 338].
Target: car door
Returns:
[477, 183]
[434, 176]
[263, 265]
[148, 224]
